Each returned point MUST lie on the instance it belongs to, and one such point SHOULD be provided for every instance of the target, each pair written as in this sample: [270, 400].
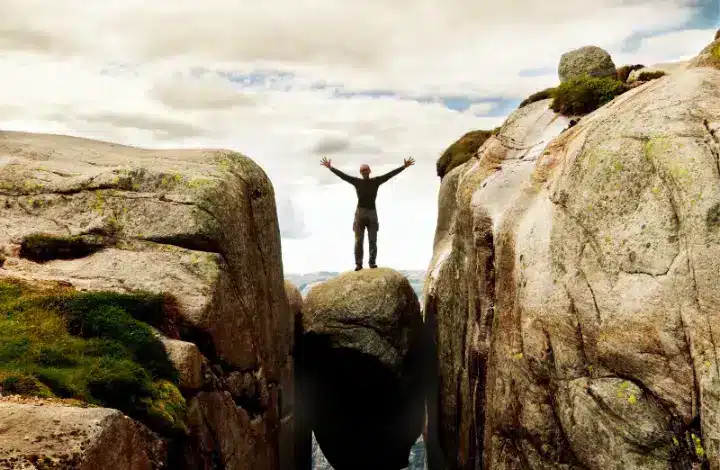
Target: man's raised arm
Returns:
[328, 164]
[383, 178]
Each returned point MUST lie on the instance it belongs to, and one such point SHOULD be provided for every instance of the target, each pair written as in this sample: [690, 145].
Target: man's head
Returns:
[365, 170]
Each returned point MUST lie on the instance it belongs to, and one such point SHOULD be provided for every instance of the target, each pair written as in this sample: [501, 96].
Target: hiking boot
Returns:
[373, 266]
[358, 267]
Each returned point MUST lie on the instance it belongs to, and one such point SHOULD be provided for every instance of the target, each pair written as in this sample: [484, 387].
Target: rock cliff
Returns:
[573, 290]
[168, 241]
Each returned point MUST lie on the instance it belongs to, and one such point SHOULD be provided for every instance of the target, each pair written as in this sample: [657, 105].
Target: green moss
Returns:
[43, 247]
[647, 76]
[715, 51]
[55, 341]
[583, 95]
[461, 151]
[538, 96]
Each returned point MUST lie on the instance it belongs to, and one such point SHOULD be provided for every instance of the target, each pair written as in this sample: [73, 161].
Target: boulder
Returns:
[588, 60]
[47, 435]
[572, 295]
[198, 226]
[362, 368]
[187, 222]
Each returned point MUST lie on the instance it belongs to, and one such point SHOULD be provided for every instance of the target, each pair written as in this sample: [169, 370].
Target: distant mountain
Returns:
[305, 282]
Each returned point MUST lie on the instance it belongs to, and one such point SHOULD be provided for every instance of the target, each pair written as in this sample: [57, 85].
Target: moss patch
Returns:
[647, 76]
[43, 247]
[461, 151]
[583, 95]
[538, 96]
[56, 342]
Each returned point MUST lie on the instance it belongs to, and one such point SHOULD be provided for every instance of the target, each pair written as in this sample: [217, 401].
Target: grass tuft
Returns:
[538, 96]
[582, 95]
[461, 151]
[93, 347]
[647, 76]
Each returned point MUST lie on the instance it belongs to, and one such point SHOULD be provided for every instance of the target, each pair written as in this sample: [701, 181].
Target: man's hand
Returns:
[326, 163]
[409, 161]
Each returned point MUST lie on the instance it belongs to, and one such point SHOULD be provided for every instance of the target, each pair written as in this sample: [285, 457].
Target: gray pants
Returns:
[365, 218]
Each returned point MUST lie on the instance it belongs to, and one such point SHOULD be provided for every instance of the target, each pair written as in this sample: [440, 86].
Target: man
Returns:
[365, 214]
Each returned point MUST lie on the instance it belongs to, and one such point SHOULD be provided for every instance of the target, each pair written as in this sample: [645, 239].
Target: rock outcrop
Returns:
[588, 60]
[199, 226]
[573, 288]
[361, 363]
[708, 57]
[66, 437]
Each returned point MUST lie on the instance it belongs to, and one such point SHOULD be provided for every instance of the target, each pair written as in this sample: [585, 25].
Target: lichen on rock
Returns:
[569, 298]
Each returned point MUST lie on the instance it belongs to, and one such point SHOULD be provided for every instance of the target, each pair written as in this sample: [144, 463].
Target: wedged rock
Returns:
[587, 60]
[361, 363]
[66, 437]
[187, 360]
[573, 299]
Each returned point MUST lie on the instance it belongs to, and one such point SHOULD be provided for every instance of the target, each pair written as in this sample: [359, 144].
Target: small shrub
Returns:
[623, 73]
[717, 35]
[647, 76]
[583, 95]
[538, 96]
[461, 151]
[43, 247]
[55, 341]
[20, 383]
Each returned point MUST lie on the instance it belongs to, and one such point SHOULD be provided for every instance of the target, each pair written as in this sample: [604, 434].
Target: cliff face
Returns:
[572, 293]
[86, 216]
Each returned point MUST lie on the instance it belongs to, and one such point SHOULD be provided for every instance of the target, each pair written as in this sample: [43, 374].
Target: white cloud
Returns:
[121, 71]
[479, 109]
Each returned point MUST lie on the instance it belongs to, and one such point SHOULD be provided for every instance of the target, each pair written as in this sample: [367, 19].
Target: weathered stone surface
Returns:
[199, 225]
[708, 57]
[66, 437]
[223, 435]
[186, 222]
[187, 360]
[588, 60]
[361, 369]
[573, 297]
[294, 320]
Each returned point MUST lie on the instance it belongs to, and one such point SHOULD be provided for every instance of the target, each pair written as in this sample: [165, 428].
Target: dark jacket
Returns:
[367, 188]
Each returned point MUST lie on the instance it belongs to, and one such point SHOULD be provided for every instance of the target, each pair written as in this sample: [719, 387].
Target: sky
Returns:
[287, 82]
